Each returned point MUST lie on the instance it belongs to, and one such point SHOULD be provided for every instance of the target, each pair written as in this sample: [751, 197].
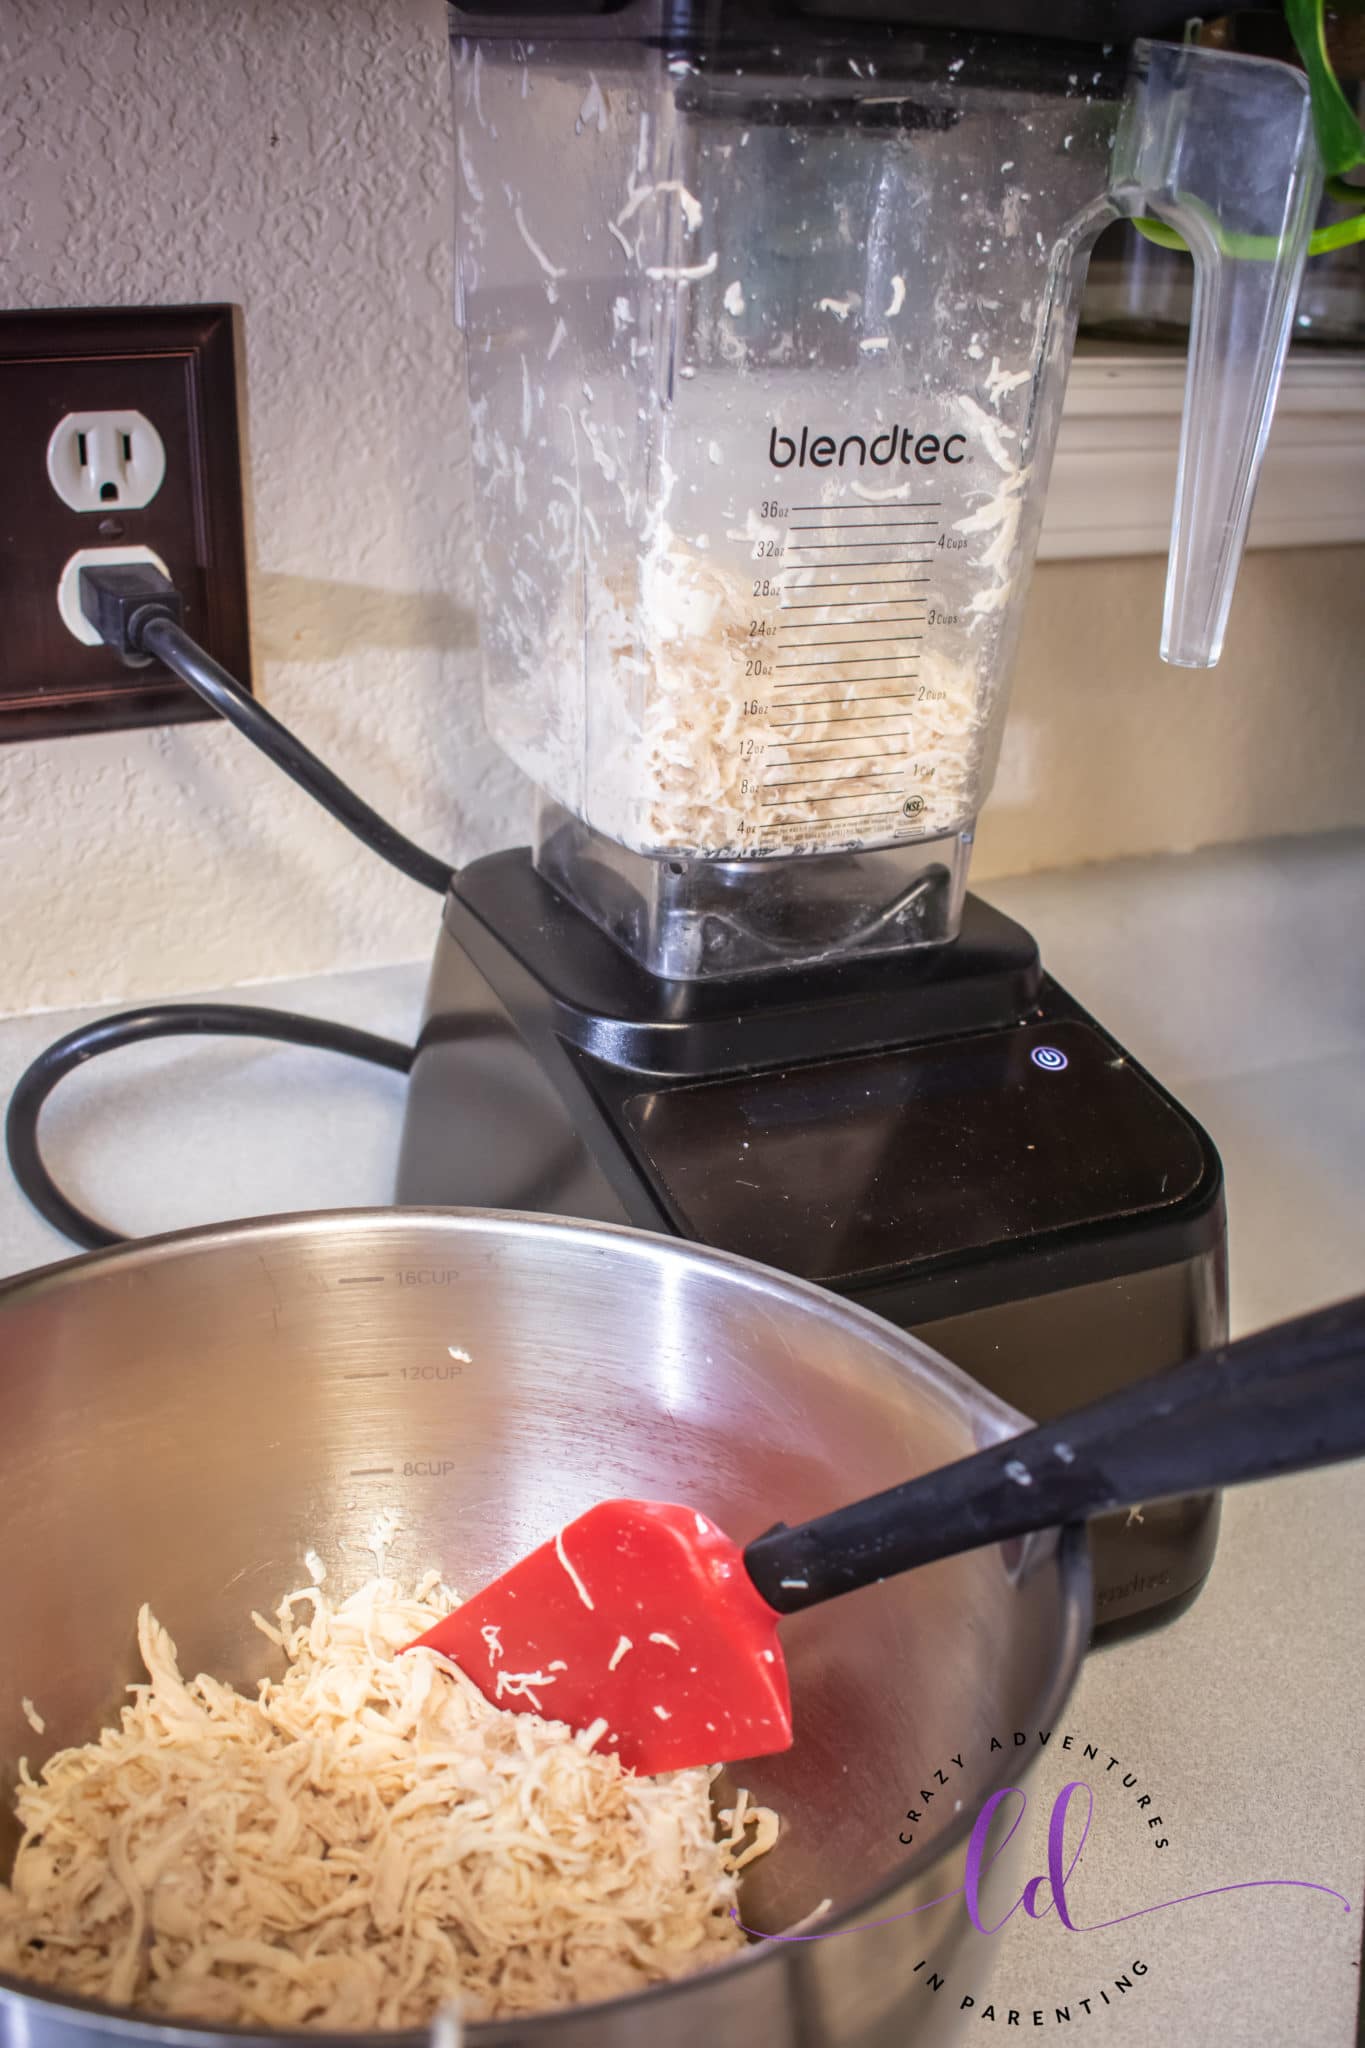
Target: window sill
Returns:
[1113, 473]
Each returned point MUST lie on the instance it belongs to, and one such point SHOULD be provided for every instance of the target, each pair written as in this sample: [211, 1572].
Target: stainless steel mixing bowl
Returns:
[181, 1420]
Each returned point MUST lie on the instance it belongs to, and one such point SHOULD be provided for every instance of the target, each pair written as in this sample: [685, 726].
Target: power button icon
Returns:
[1048, 1058]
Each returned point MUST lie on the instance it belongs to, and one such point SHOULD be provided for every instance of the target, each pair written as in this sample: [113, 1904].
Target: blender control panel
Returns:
[846, 1167]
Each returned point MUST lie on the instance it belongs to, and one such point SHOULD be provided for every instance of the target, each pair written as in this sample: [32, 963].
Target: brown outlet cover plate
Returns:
[178, 366]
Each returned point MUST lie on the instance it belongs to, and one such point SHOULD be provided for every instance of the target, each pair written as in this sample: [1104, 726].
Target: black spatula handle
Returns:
[1284, 1400]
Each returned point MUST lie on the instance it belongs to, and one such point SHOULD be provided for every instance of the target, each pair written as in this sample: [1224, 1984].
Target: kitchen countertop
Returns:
[1238, 976]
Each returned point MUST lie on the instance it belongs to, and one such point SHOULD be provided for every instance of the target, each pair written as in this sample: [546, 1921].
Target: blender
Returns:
[767, 314]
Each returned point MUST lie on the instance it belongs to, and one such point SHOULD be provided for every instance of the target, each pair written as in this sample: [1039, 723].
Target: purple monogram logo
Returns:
[1049, 1889]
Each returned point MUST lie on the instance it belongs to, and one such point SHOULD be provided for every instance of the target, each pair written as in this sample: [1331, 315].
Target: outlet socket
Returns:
[69, 587]
[152, 391]
[102, 461]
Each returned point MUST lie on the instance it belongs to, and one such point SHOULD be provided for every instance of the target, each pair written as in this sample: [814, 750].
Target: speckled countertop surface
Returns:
[1239, 977]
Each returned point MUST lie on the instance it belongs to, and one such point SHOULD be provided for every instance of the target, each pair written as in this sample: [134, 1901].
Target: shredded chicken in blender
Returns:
[365, 1844]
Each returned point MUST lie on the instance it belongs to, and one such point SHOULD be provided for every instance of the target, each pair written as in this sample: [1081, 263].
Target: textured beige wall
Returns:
[294, 157]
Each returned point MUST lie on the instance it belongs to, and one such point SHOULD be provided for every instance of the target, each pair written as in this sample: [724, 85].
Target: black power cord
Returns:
[132, 1027]
[138, 611]
[184, 657]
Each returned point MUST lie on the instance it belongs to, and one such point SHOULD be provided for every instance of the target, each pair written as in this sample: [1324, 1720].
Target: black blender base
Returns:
[943, 1136]
[1049, 1353]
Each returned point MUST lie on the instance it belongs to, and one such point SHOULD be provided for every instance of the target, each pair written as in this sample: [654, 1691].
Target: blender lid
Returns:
[1089, 22]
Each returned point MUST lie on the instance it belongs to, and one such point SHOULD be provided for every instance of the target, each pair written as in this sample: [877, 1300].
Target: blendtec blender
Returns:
[767, 317]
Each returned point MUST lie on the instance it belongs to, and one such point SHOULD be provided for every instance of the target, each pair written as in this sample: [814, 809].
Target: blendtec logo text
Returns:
[823, 451]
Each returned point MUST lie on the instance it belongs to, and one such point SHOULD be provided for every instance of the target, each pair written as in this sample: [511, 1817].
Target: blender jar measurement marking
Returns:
[859, 567]
[839, 661]
[811, 703]
[812, 781]
[817, 778]
[793, 724]
[857, 796]
[851, 583]
[910, 505]
[878, 640]
[903, 676]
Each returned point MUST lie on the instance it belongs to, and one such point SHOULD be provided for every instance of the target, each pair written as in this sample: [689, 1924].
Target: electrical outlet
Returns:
[97, 460]
[120, 439]
[69, 586]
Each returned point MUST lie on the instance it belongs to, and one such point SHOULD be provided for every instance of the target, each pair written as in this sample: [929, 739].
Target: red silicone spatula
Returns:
[646, 1617]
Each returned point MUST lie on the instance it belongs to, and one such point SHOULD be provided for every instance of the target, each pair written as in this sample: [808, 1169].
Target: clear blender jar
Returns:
[767, 329]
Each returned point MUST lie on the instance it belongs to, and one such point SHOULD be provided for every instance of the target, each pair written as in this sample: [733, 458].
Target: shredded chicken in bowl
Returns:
[364, 1844]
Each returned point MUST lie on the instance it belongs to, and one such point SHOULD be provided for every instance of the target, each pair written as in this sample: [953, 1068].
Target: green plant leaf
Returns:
[1259, 248]
[1341, 143]
[1158, 232]
[1340, 235]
